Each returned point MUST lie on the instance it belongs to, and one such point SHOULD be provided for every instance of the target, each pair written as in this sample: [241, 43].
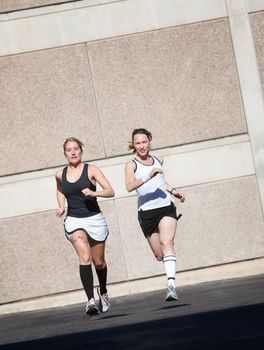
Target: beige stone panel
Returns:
[77, 22]
[49, 5]
[114, 250]
[257, 23]
[46, 97]
[221, 223]
[38, 260]
[168, 13]
[36, 257]
[250, 83]
[208, 165]
[140, 261]
[180, 83]
[254, 5]
[14, 5]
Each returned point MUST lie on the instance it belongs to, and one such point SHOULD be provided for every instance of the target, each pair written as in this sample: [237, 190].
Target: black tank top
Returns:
[79, 206]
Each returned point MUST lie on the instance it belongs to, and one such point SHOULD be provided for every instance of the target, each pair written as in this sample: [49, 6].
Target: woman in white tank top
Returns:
[156, 212]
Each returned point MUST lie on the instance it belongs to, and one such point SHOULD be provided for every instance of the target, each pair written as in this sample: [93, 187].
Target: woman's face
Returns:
[141, 144]
[73, 152]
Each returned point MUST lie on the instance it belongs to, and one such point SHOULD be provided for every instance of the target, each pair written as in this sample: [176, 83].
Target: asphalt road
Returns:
[227, 314]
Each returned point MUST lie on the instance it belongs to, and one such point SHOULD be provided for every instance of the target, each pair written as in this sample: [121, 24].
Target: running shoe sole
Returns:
[171, 298]
[100, 304]
[92, 311]
[171, 294]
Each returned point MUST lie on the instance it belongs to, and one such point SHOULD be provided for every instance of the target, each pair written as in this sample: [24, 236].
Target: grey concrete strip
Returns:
[224, 314]
[250, 83]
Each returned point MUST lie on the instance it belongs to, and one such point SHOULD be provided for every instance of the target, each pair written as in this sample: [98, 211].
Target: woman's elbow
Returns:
[129, 188]
[111, 192]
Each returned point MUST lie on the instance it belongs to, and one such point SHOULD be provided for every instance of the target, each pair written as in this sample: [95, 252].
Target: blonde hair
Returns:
[73, 139]
[136, 132]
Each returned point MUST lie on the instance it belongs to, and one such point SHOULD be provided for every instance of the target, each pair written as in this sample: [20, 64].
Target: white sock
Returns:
[169, 262]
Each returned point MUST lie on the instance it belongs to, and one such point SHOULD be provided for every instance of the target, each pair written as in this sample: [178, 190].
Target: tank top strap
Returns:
[64, 172]
[157, 159]
[84, 174]
[134, 160]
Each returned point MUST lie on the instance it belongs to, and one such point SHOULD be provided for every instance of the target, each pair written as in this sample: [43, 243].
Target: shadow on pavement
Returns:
[113, 316]
[173, 306]
[236, 328]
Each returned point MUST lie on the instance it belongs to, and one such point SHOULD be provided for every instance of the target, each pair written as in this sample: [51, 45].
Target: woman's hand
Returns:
[87, 192]
[60, 212]
[180, 196]
[155, 171]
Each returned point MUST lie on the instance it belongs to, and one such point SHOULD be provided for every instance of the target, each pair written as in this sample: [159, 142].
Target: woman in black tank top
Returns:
[84, 225]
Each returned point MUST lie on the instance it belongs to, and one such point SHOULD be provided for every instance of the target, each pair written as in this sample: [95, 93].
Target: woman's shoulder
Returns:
[91, 166]
[92, 170]
[58, 173]
[131, 164]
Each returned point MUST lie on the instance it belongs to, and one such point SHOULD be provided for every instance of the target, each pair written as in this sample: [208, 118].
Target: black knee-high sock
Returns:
[102, 277]
[86, 275]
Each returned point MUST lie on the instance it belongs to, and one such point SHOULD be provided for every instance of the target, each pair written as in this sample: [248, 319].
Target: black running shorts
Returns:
[149, 219]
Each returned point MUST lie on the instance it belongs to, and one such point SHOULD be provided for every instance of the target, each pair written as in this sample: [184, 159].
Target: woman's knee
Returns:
[85, 259]
[158, 256]
[168, 249]
[99, 264]
[167, 244]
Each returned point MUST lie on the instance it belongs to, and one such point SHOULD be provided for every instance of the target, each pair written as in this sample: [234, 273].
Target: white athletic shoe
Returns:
[171, 294]
[104, 303]
[91, 308]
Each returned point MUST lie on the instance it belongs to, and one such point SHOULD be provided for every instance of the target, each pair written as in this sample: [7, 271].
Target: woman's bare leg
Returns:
[167, 229]
[155, 245]
[98, 254]
[80, 242]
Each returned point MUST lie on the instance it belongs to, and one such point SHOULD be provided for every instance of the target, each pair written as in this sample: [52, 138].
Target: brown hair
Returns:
[73, 139]
[136, 132]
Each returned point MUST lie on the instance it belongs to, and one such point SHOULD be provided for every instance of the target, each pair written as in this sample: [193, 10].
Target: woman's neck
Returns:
[145, 159]
[76, 166]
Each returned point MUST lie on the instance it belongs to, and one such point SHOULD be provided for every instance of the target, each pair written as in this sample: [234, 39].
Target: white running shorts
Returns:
[95, 226]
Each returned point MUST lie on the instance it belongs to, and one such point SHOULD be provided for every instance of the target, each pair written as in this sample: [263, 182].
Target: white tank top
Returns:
[153, 193]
